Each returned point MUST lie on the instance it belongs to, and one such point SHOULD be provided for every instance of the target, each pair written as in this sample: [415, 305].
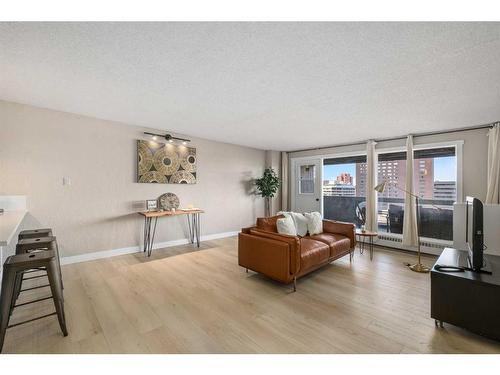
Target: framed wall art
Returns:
[161, 163]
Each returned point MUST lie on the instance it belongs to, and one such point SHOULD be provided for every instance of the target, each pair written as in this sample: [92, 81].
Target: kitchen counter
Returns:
[9, 223]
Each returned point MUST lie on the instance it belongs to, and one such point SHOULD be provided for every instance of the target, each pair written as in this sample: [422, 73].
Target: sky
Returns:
[444, 170]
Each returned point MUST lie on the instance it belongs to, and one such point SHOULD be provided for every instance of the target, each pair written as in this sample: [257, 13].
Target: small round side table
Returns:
[366, 237]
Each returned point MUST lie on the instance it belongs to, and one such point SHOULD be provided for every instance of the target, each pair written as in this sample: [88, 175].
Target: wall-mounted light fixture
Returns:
[168, 137]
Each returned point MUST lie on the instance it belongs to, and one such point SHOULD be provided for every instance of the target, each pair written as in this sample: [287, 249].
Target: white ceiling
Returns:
[280, 86]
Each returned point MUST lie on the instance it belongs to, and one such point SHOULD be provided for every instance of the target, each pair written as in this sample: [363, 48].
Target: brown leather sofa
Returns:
[285, 258]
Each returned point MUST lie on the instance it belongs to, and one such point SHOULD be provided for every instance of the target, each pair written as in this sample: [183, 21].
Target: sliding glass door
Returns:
[344, 189]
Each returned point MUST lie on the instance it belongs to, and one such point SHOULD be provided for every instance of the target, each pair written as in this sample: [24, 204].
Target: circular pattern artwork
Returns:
[144, 157]
[188, 159]
[182, 177]
[168, 201]
[166, 161]
[154, 177]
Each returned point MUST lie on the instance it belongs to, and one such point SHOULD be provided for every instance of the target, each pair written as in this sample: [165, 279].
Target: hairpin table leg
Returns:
[198, 228]
[149, 236]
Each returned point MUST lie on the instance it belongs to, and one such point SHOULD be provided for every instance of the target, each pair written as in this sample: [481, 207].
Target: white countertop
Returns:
[9, 222]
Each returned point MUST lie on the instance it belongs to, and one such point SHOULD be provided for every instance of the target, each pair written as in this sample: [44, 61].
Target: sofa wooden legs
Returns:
[246, 270]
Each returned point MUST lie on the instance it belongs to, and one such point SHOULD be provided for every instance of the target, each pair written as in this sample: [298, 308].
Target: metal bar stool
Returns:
[18, 264]
[30, 245]
[34, 233]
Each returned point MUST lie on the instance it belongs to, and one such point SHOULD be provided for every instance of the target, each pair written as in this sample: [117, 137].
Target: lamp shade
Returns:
[380, 187]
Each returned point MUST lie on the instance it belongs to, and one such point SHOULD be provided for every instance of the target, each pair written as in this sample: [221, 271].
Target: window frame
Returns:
[458, 145]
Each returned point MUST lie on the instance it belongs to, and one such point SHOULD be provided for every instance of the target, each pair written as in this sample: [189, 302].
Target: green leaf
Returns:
[268, 184]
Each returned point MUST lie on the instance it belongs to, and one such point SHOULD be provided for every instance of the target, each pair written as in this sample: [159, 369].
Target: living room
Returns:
[249, 187]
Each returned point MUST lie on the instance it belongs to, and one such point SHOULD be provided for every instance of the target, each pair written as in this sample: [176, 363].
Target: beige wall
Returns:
[97, 211]
[273, 160]
[475, 156]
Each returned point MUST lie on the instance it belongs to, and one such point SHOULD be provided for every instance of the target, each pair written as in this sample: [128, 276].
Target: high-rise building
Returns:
[445, 190]
[394, 172]
[423, 177]
[344, 178]
[338, 190]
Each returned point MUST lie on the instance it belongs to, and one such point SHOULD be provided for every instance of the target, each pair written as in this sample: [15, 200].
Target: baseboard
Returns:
[135, 249]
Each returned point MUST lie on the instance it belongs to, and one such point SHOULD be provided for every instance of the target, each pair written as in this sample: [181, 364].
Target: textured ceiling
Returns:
[279, 86]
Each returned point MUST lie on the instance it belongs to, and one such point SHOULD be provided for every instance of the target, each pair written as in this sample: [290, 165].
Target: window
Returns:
[306, 182]
[434, 181]
[344, 189]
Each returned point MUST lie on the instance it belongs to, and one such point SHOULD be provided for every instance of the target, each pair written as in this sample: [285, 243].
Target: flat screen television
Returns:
[474, 232]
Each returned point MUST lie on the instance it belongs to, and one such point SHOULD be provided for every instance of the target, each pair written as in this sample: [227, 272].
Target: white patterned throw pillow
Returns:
[286, 226]
[300, 223]
[314, 223]
[299, 220]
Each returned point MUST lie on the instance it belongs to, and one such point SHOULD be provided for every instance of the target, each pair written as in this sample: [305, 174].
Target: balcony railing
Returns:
[434, 222]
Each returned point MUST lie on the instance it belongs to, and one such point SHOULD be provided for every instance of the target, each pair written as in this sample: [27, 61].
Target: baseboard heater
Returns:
[397, 242]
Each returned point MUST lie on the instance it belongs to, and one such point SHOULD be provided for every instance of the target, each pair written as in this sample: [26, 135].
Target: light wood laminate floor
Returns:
[203, 302]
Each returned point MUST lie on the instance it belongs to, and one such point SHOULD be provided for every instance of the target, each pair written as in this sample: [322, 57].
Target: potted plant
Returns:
[267, 187]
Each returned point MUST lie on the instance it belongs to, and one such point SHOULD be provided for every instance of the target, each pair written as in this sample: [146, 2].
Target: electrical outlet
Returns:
[66, 181]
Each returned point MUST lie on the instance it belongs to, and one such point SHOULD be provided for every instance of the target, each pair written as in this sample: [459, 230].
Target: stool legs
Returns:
[7, 293]
[53, 246]
[17, 288]
[53, 272]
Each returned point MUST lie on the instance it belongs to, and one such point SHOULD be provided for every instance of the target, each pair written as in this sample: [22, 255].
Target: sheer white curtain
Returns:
[493, 183]
[371, 182]
[284, 181]
[410, 230]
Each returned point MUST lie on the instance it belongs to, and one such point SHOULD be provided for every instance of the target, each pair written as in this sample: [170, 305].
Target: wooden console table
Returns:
[151, 218]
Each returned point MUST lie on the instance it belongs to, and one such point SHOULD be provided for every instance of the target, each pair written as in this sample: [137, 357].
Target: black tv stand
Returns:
[449, 268]
[467, 299]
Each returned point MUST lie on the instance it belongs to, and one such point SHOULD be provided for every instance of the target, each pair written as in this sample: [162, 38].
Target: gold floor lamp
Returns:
[418, 267]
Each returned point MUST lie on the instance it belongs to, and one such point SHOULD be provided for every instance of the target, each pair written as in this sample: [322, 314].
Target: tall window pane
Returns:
[391, 168]
[434, 181]
[344, 189]
[307, 176]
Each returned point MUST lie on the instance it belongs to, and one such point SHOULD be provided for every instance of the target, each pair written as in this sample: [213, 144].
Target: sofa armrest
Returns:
[269, 256]
[340, 227]
[292, 241]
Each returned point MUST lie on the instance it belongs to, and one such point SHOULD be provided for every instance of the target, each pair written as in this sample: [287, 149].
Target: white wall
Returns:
[98, 210]
[273, 160]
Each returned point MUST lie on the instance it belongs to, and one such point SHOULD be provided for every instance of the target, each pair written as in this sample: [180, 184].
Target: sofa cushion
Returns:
[286, 226]
[337, 243]
[268, 223]
[314, 223]
[313, 253]
[299, 220]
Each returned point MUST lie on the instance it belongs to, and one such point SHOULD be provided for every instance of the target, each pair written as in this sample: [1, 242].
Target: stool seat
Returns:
[14, 266]
[32, 243]
[29, 260]
[34, 233]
